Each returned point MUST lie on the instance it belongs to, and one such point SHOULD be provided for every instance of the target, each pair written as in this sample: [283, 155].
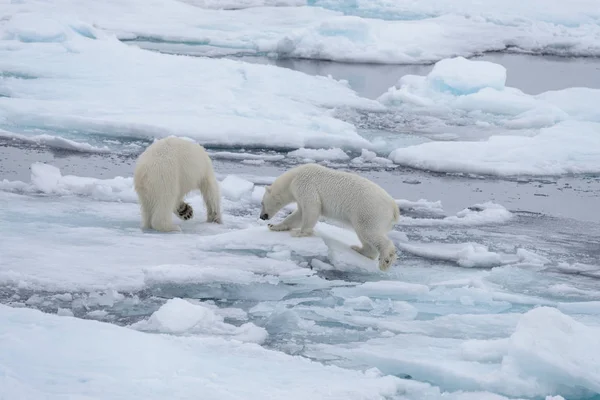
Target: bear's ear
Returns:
[268, 189]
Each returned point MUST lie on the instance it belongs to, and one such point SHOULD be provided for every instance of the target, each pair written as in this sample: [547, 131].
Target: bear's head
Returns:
[271, 203]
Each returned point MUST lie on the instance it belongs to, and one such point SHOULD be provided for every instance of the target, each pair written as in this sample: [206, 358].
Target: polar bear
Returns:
[164, 173]
[342, 196]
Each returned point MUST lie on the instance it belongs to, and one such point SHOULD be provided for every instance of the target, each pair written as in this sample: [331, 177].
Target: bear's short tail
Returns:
[396, 212]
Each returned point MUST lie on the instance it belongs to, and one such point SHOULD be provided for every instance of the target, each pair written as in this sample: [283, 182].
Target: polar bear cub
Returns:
[165, 172]
[342, 196]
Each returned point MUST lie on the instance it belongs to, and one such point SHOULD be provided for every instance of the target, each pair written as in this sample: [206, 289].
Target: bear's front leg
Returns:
[311, 211]
[290, 222]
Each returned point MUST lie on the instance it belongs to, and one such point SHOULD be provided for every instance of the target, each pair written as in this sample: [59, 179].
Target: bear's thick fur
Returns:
[341, 196]
[165, 173]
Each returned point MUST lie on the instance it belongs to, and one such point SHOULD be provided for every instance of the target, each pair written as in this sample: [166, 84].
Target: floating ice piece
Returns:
[464, 254]
[333, 154]
[478, 214]
[234, 187]
[178, 316]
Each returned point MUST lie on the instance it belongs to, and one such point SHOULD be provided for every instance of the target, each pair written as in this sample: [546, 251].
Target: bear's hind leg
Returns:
[161, 217]
[211, 195]
[145, 210]
[368, 249]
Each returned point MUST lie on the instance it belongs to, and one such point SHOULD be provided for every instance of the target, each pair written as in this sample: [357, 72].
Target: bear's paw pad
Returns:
[185, 211]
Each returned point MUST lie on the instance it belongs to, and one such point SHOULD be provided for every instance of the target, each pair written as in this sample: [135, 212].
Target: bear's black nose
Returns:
[264, 216]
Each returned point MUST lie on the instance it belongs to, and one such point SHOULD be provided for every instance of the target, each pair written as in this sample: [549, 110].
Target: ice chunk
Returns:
[333, 154]
[478, 214]
[460, 76]
[179, 316]
[464, 254]
[234, 187]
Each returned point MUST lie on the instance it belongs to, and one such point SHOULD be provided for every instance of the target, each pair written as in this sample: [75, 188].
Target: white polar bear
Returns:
[165, 172]
[342, 196]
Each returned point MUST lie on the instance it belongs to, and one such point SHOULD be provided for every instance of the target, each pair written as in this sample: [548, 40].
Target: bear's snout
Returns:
[264, 216]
